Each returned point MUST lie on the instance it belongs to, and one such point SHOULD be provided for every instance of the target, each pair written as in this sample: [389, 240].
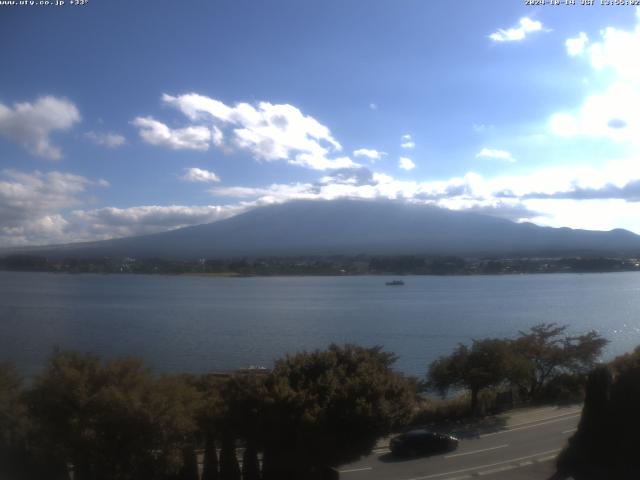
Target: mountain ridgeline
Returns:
[351, 227]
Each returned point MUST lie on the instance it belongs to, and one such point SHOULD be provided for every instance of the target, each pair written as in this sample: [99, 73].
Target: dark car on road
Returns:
[421, 442]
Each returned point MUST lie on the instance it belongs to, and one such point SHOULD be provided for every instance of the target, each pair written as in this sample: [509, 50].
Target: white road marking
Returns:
[528, 426]
[569, 431]
[480, 467]
[546, 459]
[351, 470]
[572, 412]
[476, 451]
[497, 470]
[519, 465]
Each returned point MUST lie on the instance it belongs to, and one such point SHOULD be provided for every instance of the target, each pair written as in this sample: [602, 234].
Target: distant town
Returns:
[327, 265]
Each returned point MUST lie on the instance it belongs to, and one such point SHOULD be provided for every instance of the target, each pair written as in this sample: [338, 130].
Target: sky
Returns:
[122, 118]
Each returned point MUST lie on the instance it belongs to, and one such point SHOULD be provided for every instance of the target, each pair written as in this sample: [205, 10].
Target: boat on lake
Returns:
[395, 283]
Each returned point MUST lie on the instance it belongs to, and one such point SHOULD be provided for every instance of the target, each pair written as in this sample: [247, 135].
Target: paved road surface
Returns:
[521, 444]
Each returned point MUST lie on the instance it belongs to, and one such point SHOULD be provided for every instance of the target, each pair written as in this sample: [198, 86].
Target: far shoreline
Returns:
[306, 275]
[332, 265]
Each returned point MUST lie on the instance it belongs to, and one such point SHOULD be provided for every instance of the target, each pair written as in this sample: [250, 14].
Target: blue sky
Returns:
[121, 118]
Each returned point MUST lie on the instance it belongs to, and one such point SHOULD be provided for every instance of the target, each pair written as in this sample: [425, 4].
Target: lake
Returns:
[197, 324]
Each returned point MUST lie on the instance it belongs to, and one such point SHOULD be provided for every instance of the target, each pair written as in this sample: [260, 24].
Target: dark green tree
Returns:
[172, 408]
[486, 363]
[229, 468]
[211, 418]
[15, 459]
[605, 443]
[545, 351]
[250, 464]
[111, 420]
[210, 460]
[189, 470]
[244, 408]
[326, 408]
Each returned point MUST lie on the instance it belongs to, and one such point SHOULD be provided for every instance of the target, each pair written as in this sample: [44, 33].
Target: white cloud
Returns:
[274, 193]
[31, 124]
[575, 46]
[282, 132]
[406, 163]
[199, 107]
[31, 205]
[533, 196]
[36, 208]
[350, 176]
[199, 175]
[158, 134]
[563, 125]
[217, 137]
[113, 222]
[515, 34]
[369, 153]
[279, 132]
[407, 142]
[362, 183]
[614, 114]
[106, 139]
[497, 154]
[611, 113]
[605, 214]
[613, 52]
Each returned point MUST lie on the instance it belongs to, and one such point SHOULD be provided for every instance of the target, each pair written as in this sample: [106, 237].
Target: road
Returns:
[521, 444]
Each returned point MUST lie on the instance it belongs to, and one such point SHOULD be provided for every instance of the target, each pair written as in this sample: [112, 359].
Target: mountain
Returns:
[353, 227]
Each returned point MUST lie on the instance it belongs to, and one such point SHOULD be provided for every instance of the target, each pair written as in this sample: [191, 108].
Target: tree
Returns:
[628, 361]
[172, 410]
[530, 361]
[244, 407]
[326, 408]
[210, 460]
[189, 470]
[112, 420]
[486, 363]
[605, 444]
[211, 418]
[229, 468]
[14, 426]
[12, 412]
[250, 464]
[547, 352]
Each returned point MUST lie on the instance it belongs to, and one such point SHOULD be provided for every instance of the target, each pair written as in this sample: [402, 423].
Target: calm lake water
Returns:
[198, 324]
